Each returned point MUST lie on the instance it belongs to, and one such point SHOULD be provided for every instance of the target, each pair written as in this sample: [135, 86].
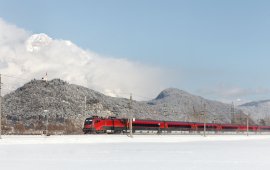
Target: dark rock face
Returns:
[26, 108]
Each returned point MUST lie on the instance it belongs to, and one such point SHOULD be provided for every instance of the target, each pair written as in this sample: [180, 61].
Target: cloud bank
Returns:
[30, 56]
[238, 95]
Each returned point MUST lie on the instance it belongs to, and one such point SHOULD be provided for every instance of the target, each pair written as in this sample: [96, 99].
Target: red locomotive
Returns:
[97, 124]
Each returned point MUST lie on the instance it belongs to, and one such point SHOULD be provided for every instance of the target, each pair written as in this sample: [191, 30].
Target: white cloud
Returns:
[228, 94]
[31, 56]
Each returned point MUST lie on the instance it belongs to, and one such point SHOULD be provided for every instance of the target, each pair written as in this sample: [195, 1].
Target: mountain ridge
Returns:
[66, 103]
[258, 111]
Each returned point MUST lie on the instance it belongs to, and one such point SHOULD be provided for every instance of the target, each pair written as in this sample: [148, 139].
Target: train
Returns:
[113, 125]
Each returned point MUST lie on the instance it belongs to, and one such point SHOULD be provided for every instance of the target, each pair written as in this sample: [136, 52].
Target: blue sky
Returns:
[216, 49]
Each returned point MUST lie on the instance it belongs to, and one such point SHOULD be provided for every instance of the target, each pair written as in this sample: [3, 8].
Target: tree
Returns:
[19, 128]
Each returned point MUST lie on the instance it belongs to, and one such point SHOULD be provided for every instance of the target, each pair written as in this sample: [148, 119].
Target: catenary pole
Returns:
[0, 109]
[84, 105]
[247, 125]
[130, 119]
[47, 122]
[204, 122]
[46, 111]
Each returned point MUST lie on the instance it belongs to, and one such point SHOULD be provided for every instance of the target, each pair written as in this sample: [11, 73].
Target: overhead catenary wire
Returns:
[134, 94]
[21, 80]
[0, 109]
[14, 77]
[12, 82]
[7, 89]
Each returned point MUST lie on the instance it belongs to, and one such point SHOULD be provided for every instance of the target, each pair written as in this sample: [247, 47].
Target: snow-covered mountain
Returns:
[37, 41]
[69, 104]
[259, 111]
[191, 107]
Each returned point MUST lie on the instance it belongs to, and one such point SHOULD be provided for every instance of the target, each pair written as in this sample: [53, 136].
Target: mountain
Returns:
[67, 105]
[178, 104]
[37, 41]
[259, 111]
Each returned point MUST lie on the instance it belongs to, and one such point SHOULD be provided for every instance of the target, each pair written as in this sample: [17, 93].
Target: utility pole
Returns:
[130, 119]
[204, 121]
[47, 121]
[0, 109]
[194, 117]
[46, 111]
[47, 125]
[247, 124]
[85, 105]
[232, 113]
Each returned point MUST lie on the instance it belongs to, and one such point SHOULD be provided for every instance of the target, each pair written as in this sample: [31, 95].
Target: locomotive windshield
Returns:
[88, 122]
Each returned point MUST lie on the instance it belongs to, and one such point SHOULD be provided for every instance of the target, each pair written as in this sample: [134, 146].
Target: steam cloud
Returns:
[30, 56]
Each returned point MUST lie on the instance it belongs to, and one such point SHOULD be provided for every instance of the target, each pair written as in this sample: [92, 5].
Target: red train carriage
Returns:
[97, 124]
[263, 128]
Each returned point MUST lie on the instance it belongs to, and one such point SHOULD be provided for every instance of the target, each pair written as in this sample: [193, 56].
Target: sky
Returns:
[215, 49]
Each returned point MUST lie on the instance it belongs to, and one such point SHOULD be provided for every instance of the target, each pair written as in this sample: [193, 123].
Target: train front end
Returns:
[88, 126]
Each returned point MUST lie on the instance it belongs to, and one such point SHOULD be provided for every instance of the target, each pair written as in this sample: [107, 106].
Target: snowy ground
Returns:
[141, 152]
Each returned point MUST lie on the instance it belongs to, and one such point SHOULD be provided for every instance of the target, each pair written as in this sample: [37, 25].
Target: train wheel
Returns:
[117, 132]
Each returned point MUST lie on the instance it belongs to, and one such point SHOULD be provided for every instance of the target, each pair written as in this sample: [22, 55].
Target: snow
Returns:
[140, 152]
[37, 41]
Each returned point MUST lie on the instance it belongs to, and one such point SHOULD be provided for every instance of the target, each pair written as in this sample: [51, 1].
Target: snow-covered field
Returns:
[138, 153]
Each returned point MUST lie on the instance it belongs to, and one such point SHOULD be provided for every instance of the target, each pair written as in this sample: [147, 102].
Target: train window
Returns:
[229, 127]
[180, 126]
[145, 125]
[88, 121]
